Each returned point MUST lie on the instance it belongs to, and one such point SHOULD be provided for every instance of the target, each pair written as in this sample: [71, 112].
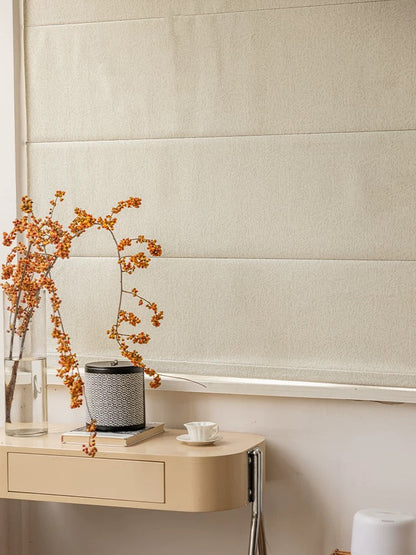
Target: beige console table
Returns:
[159, 473]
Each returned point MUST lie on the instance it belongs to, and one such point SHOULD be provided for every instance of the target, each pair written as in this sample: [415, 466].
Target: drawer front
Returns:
[142, 481]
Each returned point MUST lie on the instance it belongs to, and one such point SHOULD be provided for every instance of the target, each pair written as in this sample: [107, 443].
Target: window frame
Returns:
[13, 170]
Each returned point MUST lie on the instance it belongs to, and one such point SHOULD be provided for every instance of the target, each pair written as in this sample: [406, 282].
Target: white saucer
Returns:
[186, 439]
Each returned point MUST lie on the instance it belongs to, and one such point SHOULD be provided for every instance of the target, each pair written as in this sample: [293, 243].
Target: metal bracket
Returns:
[255, 497]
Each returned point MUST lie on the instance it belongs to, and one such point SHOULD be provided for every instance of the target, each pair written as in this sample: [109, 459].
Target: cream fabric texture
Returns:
[272, 143]
[336, 68]
[51, 12]
[329, 196]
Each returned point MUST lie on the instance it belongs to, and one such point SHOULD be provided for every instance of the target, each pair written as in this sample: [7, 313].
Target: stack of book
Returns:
[124, 439]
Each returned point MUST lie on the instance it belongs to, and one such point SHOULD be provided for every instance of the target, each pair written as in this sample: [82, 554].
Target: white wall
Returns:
[325, 460]
[7, 185]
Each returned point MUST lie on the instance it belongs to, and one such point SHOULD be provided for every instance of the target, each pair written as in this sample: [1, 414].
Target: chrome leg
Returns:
[255, 460]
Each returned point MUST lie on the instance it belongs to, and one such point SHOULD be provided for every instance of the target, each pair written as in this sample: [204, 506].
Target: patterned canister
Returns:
[114, 393]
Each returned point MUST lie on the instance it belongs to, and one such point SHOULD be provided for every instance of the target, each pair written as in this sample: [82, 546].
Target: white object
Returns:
[185, 438]
[378, 532]
[202, 431]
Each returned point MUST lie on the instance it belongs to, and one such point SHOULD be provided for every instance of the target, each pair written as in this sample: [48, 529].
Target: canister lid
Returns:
[112, 367]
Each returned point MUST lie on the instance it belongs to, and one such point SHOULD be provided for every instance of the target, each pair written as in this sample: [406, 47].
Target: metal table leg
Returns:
[255, 462]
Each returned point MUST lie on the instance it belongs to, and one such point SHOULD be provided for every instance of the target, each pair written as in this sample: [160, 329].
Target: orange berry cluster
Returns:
[129, 317]
[81, 222]
[153, 248]
[90, 448]
[27, 271]
[132, 202]
[130, 263]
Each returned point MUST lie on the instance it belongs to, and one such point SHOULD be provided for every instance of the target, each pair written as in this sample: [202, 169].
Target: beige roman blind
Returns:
[273, 144]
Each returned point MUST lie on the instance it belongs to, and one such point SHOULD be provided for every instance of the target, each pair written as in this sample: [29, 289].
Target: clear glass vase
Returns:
[26, 406]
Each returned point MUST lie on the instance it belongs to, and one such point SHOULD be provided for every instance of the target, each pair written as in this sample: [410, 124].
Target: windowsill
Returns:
[276, 388]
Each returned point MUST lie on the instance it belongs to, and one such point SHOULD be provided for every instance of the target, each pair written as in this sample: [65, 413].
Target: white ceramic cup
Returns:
[202, 431]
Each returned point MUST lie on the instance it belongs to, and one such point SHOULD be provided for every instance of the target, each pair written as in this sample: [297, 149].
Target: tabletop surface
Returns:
[162, 445]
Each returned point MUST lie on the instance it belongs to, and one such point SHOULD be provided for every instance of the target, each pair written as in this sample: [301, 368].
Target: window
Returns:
[274, 153]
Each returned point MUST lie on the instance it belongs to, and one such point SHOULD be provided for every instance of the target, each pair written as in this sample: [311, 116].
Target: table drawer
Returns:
[142, 481]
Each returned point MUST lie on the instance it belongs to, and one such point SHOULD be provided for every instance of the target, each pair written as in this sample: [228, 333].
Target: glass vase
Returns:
[26, 406]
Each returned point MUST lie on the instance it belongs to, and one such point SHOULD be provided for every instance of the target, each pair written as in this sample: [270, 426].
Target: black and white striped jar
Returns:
[114, 392]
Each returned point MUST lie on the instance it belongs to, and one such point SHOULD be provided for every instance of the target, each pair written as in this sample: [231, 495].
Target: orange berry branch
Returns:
[26, 272]
[128, 264]
[40, 242]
